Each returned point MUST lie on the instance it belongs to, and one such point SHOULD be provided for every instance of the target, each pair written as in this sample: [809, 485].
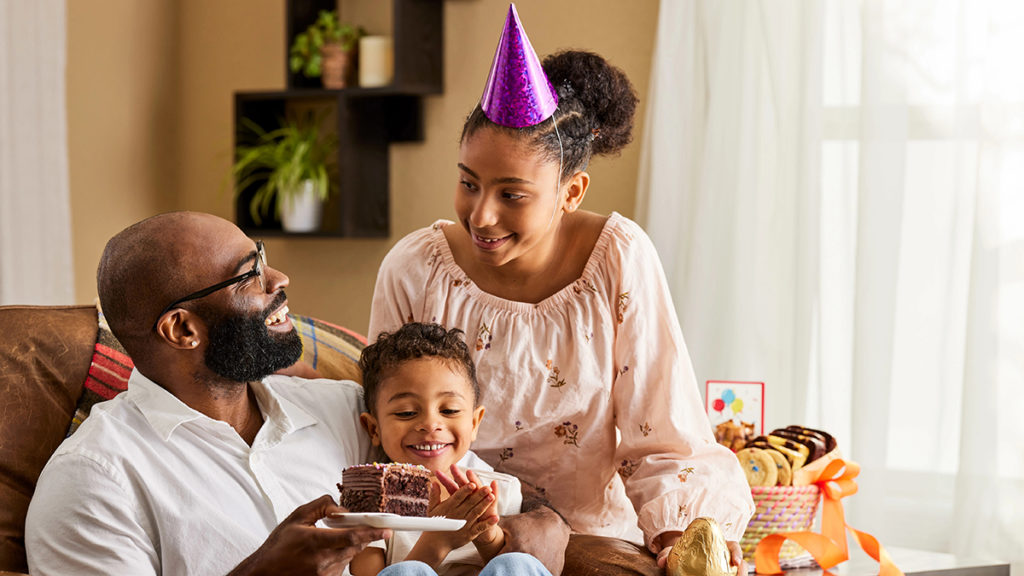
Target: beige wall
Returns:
[171, 146]
[122, 98]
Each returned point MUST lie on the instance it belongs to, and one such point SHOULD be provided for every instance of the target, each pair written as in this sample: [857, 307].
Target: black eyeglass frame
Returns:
[258, 267]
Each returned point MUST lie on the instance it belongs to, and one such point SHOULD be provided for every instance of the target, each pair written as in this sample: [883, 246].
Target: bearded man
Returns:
[208, 463]
[204, 465]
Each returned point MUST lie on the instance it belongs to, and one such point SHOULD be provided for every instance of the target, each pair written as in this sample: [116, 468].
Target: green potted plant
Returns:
[326, 49]
[292, 165]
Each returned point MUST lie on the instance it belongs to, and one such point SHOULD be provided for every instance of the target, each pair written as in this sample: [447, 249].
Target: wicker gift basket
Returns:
[780, 509]
[787, 470]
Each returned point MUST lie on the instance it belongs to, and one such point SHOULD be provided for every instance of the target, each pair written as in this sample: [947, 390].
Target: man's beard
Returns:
[242, 349]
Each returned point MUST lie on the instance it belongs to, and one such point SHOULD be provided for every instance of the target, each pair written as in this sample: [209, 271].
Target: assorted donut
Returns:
[774, 459]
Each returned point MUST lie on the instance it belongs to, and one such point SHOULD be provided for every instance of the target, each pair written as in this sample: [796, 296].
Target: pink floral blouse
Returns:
[590, 394]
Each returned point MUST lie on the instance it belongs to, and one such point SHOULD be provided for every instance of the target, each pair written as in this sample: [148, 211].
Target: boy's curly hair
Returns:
[414, 340]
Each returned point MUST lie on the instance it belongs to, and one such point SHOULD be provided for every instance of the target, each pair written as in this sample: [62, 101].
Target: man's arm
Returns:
[82, 521]
[539, 530]
[297, 546]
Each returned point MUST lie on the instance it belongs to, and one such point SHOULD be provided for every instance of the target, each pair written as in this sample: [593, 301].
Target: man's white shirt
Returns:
[148, 485]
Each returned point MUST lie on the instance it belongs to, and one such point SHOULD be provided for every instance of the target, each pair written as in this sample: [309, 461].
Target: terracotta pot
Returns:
[335, 66]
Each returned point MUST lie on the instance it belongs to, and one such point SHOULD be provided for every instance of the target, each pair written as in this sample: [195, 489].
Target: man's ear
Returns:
[181, 329]
[372, 428]
[575, 190]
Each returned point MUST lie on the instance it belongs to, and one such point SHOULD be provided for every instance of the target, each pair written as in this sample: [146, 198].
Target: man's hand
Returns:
[298, 547]
[541, 532]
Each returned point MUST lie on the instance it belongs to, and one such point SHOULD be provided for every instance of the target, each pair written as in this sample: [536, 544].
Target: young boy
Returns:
[422, 401]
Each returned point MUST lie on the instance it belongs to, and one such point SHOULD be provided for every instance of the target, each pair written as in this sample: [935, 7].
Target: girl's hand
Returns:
[669, 539]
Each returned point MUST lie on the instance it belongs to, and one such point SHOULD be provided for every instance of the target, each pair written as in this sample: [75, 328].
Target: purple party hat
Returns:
[517, 93]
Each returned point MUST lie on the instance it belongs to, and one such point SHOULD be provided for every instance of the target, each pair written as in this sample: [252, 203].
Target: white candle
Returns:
[375, 61]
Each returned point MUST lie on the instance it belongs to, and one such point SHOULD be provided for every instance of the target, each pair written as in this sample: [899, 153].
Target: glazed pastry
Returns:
[796, 453]
[700, 551]
[815, 445]
[830, 442]
[758, 466]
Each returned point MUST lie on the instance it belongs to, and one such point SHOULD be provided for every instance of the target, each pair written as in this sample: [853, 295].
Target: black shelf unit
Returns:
[367, 119]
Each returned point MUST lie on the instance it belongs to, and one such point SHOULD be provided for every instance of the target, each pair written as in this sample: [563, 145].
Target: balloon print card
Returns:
[741, 402]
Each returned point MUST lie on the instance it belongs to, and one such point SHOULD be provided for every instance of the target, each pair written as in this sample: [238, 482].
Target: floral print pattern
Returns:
[584, 285]
[645, 429]
[506, 454]
[623, 302]
[685, 473]
[627, 467]
[681, 513]
[483, 337]
[554, 375]
[568, 432]
[518, 425]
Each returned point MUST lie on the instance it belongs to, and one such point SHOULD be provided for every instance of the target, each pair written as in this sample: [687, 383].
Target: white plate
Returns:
[393, 521]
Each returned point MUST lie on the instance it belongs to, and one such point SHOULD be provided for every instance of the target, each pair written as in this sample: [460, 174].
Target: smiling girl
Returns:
[578, 349]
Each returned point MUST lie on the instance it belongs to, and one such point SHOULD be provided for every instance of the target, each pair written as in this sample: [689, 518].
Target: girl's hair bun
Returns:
[601, 93]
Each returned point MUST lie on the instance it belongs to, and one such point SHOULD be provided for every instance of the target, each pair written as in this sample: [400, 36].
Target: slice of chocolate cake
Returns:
[400, 489]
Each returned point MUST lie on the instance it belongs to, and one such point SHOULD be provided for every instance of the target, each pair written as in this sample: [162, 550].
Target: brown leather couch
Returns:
[45, 353]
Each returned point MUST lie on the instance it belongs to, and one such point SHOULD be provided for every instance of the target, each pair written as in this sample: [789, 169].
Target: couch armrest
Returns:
[44, 359]
[587, 555]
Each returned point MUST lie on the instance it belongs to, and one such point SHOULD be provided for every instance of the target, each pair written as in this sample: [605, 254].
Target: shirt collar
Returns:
[165, 412]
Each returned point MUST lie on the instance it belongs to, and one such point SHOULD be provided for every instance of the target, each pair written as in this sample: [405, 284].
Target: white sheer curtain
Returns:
[35, 221]
[837, 192]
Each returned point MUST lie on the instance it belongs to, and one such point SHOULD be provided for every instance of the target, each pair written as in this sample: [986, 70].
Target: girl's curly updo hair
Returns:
[596, 103]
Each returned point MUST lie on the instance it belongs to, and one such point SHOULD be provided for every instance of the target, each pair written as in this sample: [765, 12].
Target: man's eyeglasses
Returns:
[258, 271]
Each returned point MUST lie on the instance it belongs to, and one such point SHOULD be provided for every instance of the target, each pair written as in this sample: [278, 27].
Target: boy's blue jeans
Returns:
[511, 564]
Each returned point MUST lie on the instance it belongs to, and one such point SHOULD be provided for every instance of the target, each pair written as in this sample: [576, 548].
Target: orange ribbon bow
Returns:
[828, 548]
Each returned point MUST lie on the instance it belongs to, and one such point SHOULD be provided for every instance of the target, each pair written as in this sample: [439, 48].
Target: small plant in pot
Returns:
[326, 49]
[292, 166]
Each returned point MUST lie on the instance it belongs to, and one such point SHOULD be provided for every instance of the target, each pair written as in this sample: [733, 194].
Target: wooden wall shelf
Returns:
[367, 120]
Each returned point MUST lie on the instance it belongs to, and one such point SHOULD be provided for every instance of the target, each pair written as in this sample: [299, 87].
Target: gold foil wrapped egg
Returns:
[700, 551]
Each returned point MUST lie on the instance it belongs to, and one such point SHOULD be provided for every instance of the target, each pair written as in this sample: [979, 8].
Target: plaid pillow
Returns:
[108, 373]
[331, 350]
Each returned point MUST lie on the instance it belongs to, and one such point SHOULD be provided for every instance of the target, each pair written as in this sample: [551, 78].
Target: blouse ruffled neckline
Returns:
[591, 269]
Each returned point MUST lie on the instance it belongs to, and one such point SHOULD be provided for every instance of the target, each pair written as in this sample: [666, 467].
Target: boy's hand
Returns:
[490, 541]
[468, 502]
[493, 534]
